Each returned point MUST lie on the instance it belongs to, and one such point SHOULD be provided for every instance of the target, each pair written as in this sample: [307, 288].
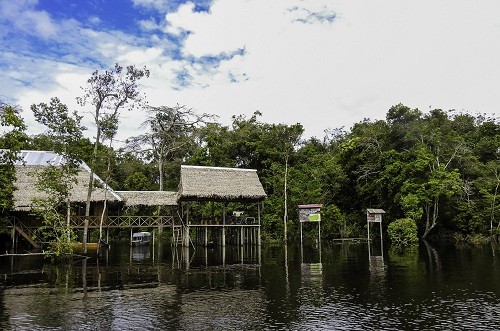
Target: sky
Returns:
[323, 63]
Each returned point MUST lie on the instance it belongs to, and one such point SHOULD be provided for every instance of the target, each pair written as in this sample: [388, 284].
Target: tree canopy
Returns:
[439, 169]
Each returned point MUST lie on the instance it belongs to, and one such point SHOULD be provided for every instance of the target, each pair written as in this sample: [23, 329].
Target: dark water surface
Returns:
[440, 288]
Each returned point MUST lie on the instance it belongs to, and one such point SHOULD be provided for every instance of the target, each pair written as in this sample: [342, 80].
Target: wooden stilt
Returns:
[223, 236]
[13, 234]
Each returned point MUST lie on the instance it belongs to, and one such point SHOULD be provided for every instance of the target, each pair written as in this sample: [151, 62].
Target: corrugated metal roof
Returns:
[314, 205]
[42, 158]
[375, 211]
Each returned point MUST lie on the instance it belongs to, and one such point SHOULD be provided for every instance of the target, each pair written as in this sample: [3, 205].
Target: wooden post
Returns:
[368, 225]
[319, 232]
[224, 224]
[223, 255]
[301, 238]
[185, 241]
[13, 239]
[242, 248]
[242, 236]
[258, 220]
[381, 240]
[131, 235]
[206, 256]
[223, 236]
[258, 237]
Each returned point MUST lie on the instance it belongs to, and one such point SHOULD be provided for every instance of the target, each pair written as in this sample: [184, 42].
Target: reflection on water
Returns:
[140, 253]
[330, 287]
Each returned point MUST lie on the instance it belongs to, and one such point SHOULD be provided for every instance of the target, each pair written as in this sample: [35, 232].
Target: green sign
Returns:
[309, 215]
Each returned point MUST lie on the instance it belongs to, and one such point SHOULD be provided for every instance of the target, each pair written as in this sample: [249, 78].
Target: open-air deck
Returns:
[198, 185]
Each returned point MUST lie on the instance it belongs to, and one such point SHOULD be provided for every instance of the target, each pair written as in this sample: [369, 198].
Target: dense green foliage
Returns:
[403, 232]
[440, 169]
[56, 181]
[11, 140]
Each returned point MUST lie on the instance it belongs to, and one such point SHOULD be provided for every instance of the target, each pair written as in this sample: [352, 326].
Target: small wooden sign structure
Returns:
[374, 216]
[310, 213]
[376, 262]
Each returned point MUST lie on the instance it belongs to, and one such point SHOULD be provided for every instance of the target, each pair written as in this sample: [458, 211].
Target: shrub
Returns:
[403, 232]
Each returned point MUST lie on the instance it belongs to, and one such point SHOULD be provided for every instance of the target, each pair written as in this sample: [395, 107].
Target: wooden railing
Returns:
[110, 221]
[123, 221]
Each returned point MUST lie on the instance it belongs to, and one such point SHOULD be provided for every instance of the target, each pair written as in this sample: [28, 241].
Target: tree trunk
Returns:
[68, 218]
[428, 224]
[89, 191]
[160, 172]
[285, 216]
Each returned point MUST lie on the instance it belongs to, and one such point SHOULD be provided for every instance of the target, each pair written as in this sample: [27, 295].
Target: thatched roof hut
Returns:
[219, 184]
[149, 198]
[34, 161]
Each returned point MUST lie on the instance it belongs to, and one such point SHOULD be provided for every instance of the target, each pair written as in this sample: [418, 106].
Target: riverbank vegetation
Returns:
[439, 170]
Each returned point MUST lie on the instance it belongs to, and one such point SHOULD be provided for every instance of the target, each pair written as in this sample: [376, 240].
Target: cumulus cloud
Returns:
[321, 63]
[160, 5]
[348, 60]
[149, 25]
[23, 15]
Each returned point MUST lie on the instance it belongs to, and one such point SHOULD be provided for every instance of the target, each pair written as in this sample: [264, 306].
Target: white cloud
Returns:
[23, 16]
[149, 25]
[94, 20]
[335, 73]
[322, 63]
[141, 57]
[159, 5]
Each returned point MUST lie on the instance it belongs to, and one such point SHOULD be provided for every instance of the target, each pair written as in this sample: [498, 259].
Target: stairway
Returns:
[24, 231]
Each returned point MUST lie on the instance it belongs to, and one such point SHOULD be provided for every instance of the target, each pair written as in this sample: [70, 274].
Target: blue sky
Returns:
[322, 63]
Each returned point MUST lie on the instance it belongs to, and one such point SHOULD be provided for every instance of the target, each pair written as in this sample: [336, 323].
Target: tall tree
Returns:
[170, 129]
[109, 93]
[66, 130]
[12, 139]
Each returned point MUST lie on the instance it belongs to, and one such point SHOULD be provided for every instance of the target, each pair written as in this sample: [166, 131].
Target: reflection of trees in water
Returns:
[432, 253]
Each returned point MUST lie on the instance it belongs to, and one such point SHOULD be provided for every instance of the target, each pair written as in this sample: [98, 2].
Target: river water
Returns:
[341, 287]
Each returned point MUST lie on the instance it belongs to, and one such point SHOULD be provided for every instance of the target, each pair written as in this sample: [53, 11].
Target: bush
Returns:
[403, 232]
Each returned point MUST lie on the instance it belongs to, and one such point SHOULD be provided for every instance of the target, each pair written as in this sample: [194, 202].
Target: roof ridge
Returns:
[215, 168]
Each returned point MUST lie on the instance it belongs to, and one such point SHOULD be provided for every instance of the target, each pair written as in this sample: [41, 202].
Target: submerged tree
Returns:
[109, 93]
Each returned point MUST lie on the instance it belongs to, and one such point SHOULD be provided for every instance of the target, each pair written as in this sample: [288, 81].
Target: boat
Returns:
[141, 238]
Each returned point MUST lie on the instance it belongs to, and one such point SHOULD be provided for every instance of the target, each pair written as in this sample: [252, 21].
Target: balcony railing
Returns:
[123, 221]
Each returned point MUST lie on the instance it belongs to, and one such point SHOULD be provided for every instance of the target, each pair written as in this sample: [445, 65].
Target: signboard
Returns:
[310, 214]
[374, 215]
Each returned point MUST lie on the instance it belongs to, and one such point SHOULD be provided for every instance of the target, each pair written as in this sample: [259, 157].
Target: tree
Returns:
[109, 93]
[11, 142]
[170, 129]
[66, 130]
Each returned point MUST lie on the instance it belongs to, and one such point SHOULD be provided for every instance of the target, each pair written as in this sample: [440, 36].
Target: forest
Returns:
[439, 169]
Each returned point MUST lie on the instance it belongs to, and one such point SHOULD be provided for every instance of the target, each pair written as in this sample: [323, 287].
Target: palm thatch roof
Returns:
[219, 184]
[33, 162]
[149, 198]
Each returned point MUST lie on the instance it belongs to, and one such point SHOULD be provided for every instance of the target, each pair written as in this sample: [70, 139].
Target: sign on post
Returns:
[310, 213]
